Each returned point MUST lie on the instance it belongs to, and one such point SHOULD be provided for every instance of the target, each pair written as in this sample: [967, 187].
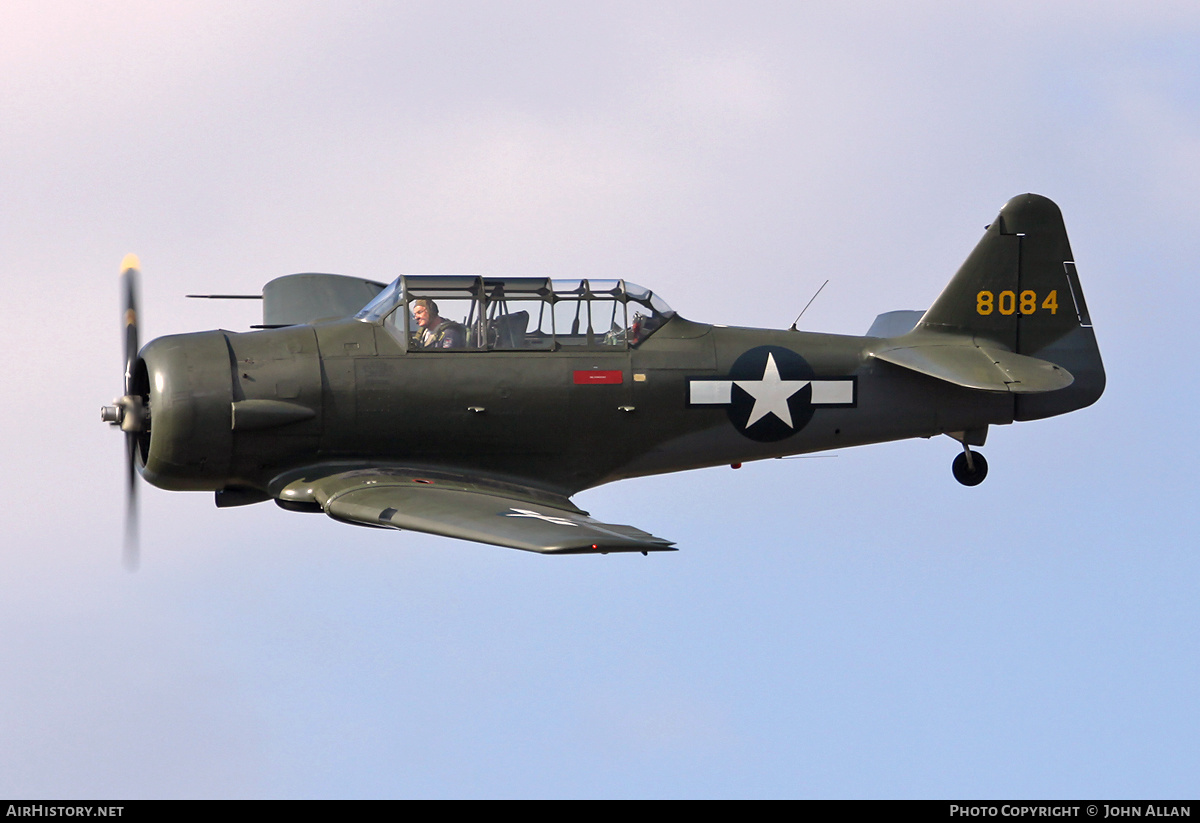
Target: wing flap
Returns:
[470, 509]
[980, 367]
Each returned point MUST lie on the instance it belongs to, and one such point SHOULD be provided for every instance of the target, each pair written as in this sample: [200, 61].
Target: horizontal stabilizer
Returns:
[979, 367]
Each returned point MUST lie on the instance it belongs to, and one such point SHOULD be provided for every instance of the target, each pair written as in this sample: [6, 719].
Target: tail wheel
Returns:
[970, 468]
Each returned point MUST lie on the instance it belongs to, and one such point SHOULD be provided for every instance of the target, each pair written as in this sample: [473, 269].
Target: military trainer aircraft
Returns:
[474, 407]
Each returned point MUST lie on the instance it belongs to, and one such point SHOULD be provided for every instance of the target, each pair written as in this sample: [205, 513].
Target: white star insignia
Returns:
[558, 521]
[770, 394]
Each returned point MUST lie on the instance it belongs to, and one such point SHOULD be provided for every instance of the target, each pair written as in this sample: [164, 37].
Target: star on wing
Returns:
[558, 521]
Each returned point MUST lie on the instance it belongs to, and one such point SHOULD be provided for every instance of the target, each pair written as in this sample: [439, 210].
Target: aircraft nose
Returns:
[191, 392]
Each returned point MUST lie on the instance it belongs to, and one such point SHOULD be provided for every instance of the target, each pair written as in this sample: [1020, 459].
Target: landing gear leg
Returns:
[969, 467]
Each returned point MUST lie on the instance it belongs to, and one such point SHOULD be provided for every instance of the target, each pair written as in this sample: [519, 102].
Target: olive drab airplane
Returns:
[474, 407]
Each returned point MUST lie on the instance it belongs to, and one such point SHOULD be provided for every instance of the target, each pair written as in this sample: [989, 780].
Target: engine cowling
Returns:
[227, 410]
[186, 380]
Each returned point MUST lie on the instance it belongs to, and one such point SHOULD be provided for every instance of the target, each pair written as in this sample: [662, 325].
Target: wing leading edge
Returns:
[467, 508]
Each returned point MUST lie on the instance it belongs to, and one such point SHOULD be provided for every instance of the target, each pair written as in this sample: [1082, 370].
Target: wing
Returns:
[467, 508]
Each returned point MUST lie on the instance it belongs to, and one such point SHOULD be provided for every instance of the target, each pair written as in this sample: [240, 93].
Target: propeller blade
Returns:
[131, 553]
[130, 268]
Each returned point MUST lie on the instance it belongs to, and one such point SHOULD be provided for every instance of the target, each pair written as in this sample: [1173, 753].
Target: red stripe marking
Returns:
[598, 376]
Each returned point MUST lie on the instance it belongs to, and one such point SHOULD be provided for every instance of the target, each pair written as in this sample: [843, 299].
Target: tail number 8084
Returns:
[1011, 302]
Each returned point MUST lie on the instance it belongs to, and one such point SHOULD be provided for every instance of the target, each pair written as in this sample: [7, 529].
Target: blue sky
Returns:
[854, 626]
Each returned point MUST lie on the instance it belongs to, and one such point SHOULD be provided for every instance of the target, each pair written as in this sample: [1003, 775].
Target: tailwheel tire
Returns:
[963, 472]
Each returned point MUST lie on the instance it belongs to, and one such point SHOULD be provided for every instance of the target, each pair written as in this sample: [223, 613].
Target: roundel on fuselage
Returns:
[771, 396]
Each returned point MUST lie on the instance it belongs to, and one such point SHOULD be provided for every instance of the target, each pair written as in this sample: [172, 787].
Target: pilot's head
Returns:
[425, 312]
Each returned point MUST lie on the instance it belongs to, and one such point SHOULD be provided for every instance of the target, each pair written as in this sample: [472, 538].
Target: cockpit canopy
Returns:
[472, 313]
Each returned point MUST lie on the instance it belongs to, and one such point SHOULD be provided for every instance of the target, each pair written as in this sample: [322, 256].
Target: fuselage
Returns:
[239, 410]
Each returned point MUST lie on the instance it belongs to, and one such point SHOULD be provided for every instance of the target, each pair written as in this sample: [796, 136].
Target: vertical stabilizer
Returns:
[1019, 289]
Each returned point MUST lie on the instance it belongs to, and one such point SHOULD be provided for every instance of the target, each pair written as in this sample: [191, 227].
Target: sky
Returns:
[854, 626]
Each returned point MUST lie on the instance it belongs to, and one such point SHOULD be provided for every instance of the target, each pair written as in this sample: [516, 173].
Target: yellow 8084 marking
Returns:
[1008, 302]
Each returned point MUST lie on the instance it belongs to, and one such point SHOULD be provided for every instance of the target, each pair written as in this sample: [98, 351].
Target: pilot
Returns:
[643, 325]
[435, 331]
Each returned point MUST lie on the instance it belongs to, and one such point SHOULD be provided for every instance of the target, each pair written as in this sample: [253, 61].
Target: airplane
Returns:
[474, 407]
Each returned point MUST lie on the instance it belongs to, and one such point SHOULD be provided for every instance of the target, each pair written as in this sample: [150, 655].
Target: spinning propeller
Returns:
[130, 411]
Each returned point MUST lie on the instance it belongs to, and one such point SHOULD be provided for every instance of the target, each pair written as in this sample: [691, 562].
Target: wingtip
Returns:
[130, 262]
